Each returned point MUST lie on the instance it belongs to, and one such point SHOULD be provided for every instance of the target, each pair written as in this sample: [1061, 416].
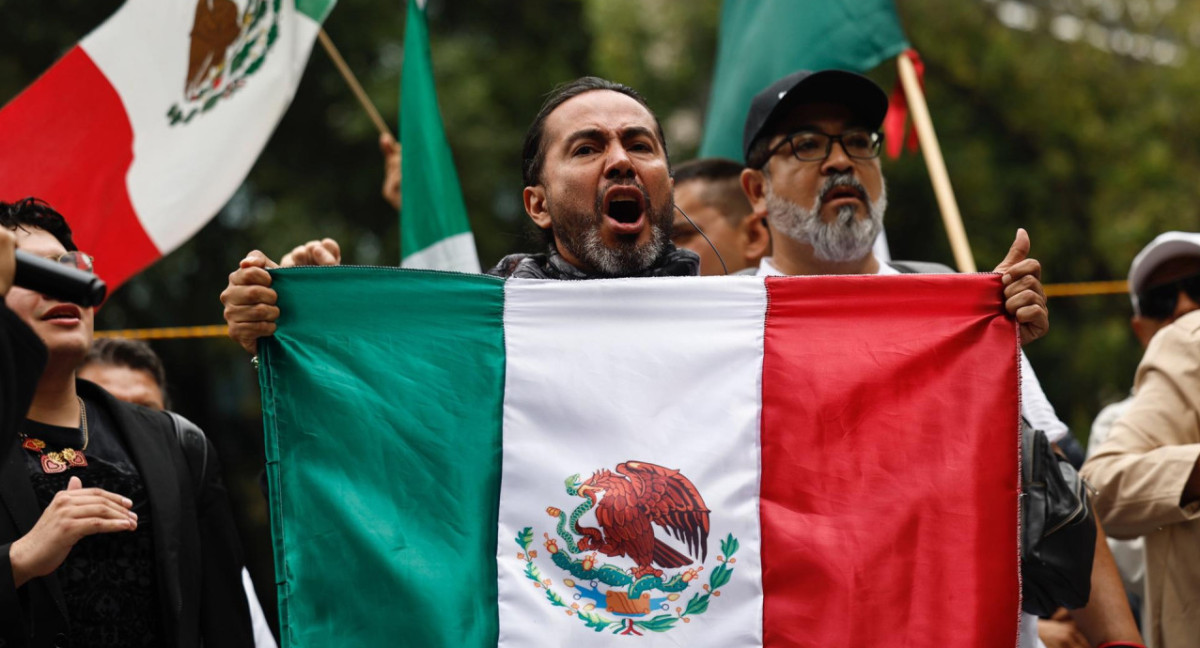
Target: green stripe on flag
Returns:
[768, 39]
[318, 10]
[418, 367]
[432, 203]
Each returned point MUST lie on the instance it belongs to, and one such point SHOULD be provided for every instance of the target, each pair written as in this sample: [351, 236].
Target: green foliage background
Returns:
[1092, 152]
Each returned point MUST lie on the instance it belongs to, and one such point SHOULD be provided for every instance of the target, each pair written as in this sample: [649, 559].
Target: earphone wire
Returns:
[724, 268]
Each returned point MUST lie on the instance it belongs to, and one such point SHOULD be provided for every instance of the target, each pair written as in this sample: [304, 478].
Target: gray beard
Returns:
[845, 239]
[623, 260]
[582, 240]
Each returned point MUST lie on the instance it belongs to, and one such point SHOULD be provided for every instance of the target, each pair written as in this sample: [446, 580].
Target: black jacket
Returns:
[197, 552]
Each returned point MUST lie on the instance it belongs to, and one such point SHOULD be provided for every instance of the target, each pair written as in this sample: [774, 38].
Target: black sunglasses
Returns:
[1159, 302]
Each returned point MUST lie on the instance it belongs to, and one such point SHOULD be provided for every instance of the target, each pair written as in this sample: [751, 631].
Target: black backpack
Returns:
[1058, 529]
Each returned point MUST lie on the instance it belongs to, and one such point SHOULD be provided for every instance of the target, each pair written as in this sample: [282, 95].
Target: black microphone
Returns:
[58, 281]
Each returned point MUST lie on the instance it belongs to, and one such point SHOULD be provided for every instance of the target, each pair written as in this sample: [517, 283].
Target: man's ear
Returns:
[757, 238]
[535, 205]
[754, 185]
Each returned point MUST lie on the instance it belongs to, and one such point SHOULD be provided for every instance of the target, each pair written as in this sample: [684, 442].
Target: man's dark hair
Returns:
[533, 154]
[33, 212]
[722, 182]
[132, 354]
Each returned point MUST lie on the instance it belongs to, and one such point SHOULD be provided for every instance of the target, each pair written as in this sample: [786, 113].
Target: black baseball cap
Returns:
[866, 99]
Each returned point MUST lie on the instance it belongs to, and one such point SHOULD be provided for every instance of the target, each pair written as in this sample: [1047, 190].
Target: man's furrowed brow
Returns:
[597, 134]
[638, 131]
[592, 134]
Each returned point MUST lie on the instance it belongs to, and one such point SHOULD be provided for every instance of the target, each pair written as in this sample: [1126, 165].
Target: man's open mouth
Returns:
[625, 205]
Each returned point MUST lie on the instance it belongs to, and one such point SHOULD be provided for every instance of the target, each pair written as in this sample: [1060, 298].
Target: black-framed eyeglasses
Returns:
[75, 259]
[814, 145]
[1159, 302]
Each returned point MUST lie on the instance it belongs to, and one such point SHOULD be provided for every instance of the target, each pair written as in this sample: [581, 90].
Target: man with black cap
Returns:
[1147, 471]
[812, 145]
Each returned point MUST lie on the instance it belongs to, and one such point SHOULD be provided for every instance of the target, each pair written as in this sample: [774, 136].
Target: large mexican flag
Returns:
[143, 131]
[455, 460]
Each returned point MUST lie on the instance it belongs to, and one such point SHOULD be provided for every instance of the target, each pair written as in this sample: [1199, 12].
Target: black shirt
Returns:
[108, 579]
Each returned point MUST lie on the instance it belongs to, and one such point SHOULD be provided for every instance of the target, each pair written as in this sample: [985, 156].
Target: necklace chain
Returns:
[83, 422]
[60, 460]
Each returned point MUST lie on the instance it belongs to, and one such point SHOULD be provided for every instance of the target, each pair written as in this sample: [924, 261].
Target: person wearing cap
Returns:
[1146, 471]
[811, 146]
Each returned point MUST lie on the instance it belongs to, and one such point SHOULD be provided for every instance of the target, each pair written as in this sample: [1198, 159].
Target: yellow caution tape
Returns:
[1120, 287]
[1082, 289]
[167, 333]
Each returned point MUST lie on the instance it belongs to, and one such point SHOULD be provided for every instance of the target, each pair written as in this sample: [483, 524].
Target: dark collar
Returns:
[672, 262]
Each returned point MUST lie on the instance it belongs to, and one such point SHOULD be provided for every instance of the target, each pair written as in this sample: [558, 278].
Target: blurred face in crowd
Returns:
[712, 221]
[719, 209]
[1169, 271]
[836, 204]
[65, 328]
[605, 190]
[125, 383]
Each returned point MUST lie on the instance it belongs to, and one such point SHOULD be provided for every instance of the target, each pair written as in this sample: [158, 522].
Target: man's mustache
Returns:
[842, 180]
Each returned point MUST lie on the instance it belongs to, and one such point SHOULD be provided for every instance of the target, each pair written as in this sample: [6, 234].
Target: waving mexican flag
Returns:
[457, 460]
[143, 131]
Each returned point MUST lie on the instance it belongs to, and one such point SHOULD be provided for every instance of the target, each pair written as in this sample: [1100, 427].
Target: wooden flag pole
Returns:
[936, 165]
[352, 81]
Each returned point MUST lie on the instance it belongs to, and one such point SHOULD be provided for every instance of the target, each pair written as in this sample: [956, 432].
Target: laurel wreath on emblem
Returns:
[219, 31]
[645, 495]
[586, 613]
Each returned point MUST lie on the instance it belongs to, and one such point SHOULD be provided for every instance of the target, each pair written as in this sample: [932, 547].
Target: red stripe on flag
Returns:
[889, 497]
[67, 140]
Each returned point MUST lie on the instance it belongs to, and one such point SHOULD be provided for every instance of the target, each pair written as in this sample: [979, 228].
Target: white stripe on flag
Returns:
[596, 377]
[451, 253]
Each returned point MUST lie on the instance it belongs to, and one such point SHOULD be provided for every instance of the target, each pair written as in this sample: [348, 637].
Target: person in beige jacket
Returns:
[1145, 473]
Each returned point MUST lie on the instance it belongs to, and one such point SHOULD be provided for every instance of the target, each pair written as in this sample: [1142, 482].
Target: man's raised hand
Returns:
[1024, 298]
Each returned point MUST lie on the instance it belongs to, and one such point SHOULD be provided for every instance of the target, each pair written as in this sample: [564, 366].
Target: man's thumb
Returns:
[74, 484]
[1018, 252]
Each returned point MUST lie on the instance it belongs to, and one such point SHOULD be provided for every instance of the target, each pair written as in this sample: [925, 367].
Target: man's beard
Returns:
[579, 234]
[846, 238]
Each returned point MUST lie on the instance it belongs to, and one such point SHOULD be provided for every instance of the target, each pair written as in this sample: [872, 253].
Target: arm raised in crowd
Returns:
[249, 300]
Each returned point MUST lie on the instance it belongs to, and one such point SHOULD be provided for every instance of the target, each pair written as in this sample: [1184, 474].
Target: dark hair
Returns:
[533, 154]
[132, 354]
[722, 185]
[713, 168]
[34, 212]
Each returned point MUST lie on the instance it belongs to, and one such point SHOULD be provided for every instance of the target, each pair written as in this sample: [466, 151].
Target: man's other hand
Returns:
[1024, 298]
[325, 252]
[73, 514]
[249, 301]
